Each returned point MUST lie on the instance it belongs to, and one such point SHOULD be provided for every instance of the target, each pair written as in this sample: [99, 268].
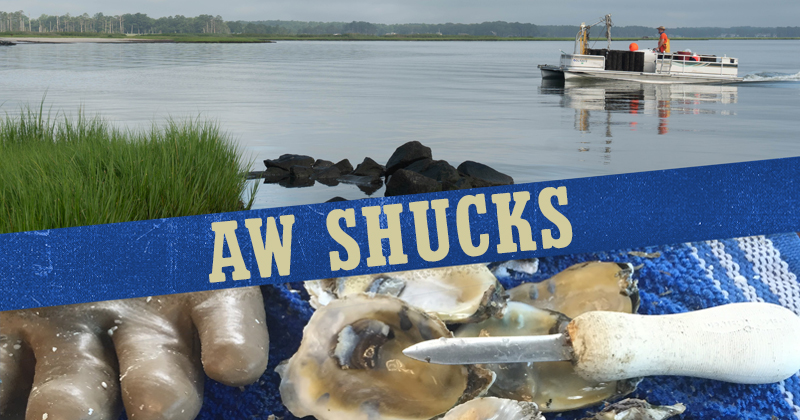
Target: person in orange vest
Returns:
[663, 41]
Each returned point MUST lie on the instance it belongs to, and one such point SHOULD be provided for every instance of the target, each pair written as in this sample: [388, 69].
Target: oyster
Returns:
[633, 409]
[554, 386]
[589, 286]
[491, 408]
[350, 365]
[466, 293]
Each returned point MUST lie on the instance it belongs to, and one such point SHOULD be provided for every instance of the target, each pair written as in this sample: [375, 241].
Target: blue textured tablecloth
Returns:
[685, 277]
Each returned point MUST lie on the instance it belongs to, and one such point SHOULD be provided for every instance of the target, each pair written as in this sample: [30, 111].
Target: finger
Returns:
[159, 365]
[75, 375]
[16, 373]
[233, 334]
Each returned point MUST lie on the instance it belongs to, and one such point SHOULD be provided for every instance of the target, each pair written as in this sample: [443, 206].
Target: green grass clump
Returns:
[63, 172]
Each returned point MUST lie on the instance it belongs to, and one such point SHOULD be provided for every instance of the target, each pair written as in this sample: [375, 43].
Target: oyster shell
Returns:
[554, 386]
[584, 287]
[491, 408]
[633, 409]
[514, 269]
[466, 293]
[350, 365]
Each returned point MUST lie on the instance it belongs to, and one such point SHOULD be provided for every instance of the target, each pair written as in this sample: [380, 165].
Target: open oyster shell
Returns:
[491, 408]
[466, 293]
[544, 308]
[554, 386]
[350, 365]
[584, 287]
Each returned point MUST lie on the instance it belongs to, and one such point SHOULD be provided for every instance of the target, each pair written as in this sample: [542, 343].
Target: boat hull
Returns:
[648, 77]
[550, 72]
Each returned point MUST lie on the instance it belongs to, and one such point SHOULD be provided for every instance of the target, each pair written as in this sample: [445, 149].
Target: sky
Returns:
[672, 14]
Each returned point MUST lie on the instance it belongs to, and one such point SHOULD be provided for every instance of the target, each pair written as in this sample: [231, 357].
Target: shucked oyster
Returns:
[584, 287]
[580, 288]
[466, 293]
[554, 386]
[350, 365]
[491, 408]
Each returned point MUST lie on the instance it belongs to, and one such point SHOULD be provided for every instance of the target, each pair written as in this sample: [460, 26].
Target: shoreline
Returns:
[78, 40]
[195, 39]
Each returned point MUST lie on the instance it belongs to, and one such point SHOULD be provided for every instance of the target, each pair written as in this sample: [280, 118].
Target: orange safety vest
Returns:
[664, 48]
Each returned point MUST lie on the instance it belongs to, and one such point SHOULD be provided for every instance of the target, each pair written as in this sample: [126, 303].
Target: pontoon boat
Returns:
[641, 65]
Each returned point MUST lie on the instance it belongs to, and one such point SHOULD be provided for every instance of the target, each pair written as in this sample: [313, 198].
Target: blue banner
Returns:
[186, 254]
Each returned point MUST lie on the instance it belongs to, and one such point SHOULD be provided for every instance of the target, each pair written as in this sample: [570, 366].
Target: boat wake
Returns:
[772, 77]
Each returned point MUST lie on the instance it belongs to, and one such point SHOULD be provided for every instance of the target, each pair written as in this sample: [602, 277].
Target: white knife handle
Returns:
[748, 343]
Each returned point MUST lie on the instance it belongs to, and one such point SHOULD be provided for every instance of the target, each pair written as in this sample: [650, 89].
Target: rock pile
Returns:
[410, 170]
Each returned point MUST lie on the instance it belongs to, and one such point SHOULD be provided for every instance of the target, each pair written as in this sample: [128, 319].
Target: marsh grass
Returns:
[62, 172]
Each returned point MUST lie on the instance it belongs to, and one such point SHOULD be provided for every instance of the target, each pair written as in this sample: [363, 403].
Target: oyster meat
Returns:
[491, 408]
[466, 293]
[545, 308]
[554, 386]
[584, 287]
[350, 365]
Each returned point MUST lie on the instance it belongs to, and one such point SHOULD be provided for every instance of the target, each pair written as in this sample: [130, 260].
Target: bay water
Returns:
[481, 101]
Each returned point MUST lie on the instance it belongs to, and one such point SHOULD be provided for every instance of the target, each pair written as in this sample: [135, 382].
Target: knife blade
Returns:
[474, 350]
[751, 343]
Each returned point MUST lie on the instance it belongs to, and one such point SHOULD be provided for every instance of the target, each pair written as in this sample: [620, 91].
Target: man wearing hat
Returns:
[663, 41]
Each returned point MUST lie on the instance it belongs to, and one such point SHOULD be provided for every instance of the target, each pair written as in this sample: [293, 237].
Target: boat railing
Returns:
[665, 62]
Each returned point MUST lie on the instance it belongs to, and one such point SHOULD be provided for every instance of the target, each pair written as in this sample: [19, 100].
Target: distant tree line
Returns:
[139, 23]
[128, 23]
[501, 29]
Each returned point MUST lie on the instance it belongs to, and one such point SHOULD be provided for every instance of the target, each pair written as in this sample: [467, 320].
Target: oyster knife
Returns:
[749, 343]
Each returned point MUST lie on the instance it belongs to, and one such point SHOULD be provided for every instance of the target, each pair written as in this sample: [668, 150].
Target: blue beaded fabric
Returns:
[680, 278]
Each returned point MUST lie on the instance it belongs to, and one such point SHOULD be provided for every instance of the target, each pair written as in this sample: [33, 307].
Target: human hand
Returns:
[81, 361]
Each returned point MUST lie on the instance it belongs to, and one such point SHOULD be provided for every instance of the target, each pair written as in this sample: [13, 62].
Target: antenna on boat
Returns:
[582, 39]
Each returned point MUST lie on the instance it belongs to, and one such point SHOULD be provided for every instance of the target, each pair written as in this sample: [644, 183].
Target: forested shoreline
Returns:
[140, 23]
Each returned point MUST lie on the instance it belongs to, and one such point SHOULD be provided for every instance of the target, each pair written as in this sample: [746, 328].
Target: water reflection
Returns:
[661, 101]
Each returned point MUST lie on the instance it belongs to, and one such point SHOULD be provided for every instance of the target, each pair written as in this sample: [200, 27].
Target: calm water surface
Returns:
[482, 101]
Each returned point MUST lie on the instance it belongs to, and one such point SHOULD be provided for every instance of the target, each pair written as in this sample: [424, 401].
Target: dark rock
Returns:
[296, 182]
[483, 176]
[406, 182]
[370, 189]
[463, 183]
[441, 171]
[329, 182]
[300, 172]
[406, 155]
[287, 161]
[255, 174]
[329, 173]
[438, 170]
[344, 166]
[419, 166]
[369, 168]
[367, 184]
[274, 174]
[321, 164]
[361, 180]
[336, 199]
